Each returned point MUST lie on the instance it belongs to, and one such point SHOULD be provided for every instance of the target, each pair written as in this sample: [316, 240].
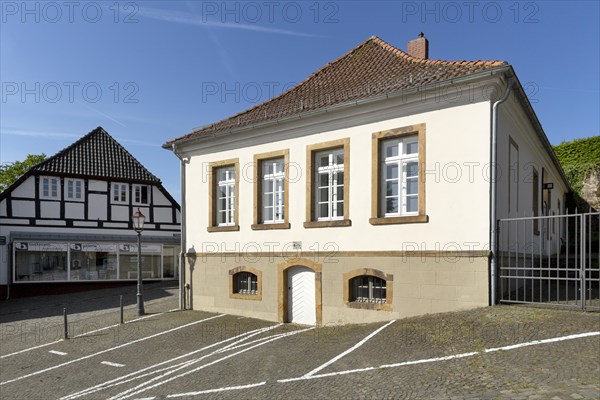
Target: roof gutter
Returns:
[404, 92]
[183, 230]
[493, 191]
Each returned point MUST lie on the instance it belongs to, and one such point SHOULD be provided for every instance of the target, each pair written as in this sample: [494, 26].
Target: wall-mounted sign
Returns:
[549, 186]
[2, 240]
[146, 248]
[40, 246]
[99, 248]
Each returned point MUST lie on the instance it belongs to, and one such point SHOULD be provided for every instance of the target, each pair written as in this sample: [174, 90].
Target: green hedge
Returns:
[578, 159]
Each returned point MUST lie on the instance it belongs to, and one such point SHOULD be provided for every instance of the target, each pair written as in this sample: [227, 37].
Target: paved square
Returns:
[499, 352]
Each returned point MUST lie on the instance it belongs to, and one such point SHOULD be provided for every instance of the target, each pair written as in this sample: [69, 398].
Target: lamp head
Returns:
[138, 221]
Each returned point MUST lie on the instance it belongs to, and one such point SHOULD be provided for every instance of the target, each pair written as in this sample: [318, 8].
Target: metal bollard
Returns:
[121, 306]
[66, 324]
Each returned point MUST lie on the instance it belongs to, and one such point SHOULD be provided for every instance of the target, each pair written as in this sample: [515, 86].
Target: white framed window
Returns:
[225, 190]
[329, 184]
[74, 189]
[141, 194]
[399, 176]
[49, 187]
[273, 188]
[120, 192]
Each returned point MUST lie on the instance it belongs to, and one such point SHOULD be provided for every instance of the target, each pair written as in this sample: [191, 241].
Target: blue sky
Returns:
[149, 71]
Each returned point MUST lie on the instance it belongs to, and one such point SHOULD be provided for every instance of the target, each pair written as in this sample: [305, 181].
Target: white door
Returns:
[301, 296]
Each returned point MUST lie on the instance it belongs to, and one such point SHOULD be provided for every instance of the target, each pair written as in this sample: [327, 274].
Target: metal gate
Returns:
[550, 260]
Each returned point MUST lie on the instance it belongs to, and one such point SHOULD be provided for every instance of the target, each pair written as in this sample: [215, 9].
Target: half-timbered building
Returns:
[66, 223]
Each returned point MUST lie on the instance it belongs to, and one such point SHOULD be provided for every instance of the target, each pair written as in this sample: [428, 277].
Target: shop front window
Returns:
[93, 261]
[40, 261]
[151, 260]
[170, 261]
[48, 261]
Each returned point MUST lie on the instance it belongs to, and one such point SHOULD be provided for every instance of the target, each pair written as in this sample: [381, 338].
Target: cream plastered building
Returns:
[364, 193]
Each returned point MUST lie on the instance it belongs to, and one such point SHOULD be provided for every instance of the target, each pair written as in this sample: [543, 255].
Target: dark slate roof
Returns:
[373, 68]
[97, 155]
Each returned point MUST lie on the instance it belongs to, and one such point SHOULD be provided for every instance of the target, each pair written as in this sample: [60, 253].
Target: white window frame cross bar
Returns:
[401, 161]
[277, 180]
[50, 187]
[229, 184]
[119, 193]
[74, 189]
[137, 194]
[332, 171]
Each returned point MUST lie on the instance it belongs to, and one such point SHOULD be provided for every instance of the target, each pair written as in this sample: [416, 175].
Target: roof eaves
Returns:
[209, 135]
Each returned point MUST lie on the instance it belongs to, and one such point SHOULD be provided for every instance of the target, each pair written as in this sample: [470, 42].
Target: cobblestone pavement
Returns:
[192, 354]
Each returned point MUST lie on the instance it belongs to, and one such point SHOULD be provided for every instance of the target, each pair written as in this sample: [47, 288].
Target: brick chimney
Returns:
[419, 47]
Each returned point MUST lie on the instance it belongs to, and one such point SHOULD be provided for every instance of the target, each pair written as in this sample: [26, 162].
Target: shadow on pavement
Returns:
[20, 309]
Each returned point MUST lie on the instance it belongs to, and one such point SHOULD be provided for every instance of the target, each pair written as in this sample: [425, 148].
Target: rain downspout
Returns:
[183, 228]
[494, 184]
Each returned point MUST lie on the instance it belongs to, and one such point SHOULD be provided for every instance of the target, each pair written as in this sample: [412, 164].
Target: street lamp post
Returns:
[138, 225]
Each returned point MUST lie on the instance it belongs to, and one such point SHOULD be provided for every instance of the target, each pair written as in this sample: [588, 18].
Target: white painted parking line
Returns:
[140, 388]
[223, 389]
[234, 346]
[60, 353]
[115, 325]
[31, 348]
[135, 375]
[112, 364]
[109, 349]
[350, 350]
[445, 358]
[77, 336]
[552, 340]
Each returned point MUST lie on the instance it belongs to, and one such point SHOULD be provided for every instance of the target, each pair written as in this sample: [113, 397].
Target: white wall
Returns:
[22, 208]
[163, 215]
[457, 205]
[120, 213]
[97, 207]
[99, 186]
[74, 210]
[26, 189]
[159, 199]
[49, 209]
[514, 124]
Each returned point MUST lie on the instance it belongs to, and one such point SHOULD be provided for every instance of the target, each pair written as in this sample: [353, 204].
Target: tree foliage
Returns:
[11, 171]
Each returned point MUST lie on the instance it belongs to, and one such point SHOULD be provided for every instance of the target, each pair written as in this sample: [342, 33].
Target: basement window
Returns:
[245, 283]
[368, 289]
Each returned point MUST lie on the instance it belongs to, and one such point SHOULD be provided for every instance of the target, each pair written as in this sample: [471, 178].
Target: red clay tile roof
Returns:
[370, 69]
